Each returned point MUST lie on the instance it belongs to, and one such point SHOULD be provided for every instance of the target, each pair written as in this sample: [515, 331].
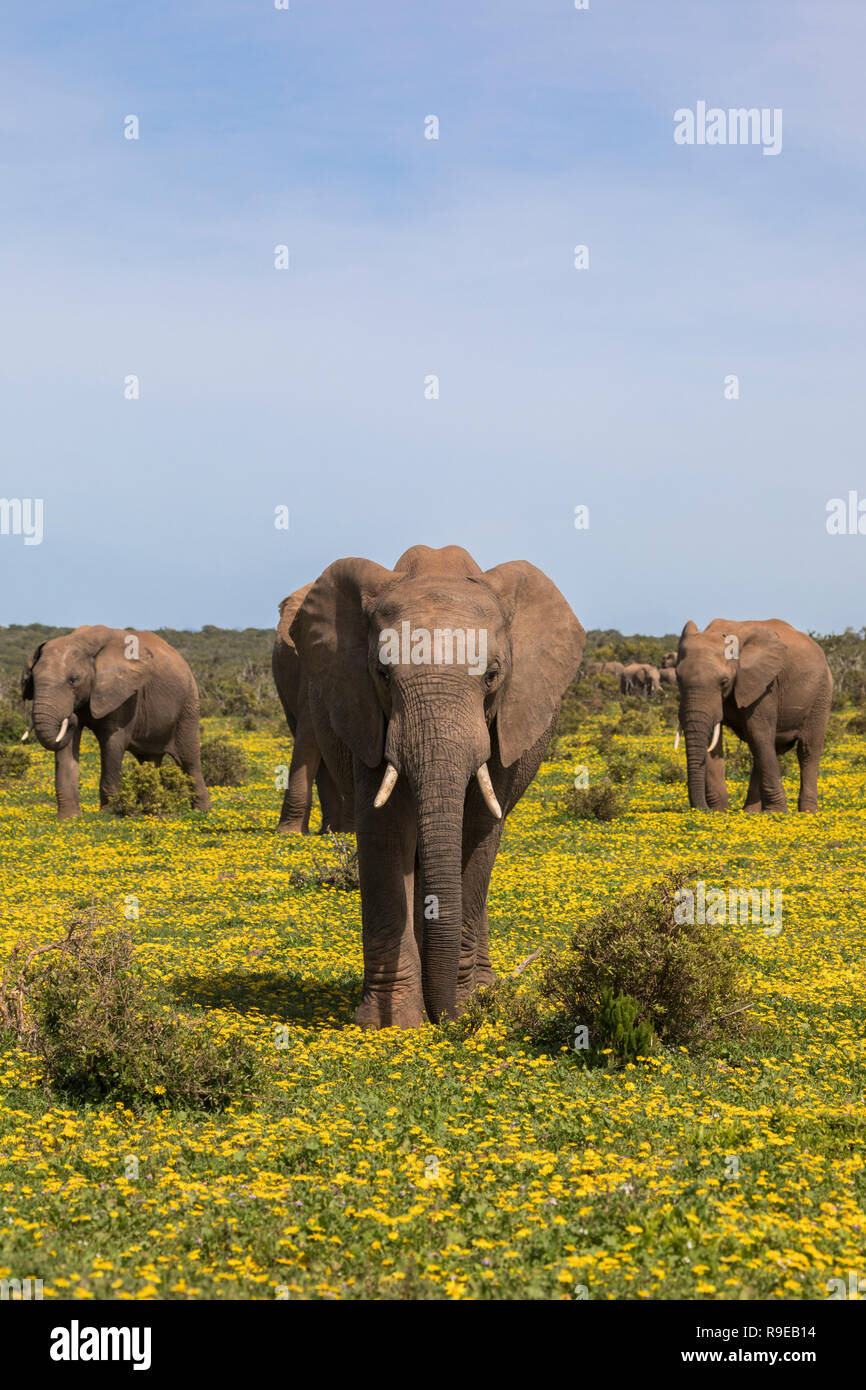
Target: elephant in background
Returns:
[306, 766]
[435, 751]
[667, 675]
[134, 691]
[768, 683]
[639, 676]
[668, 661]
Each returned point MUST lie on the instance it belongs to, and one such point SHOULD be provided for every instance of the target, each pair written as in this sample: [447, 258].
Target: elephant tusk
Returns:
[487, 791]
[716, 731]
[63, 727]
[388, 782]
[677, 739]
[25, 736]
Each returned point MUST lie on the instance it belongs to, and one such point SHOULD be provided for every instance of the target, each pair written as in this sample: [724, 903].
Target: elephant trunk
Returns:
[439, 740]
[440, 836]
[53, 723]
[699, 728]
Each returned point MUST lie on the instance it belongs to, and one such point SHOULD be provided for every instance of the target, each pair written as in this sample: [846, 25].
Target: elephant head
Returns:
[93, 668]
[436, 723]
[714, 666]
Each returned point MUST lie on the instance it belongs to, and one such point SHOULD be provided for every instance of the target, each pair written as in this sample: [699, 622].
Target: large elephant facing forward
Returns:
[134, 691]
[434, 688]
[306, 766]
[772, 686]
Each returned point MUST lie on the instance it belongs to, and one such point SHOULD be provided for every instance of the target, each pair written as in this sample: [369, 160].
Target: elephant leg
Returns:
[387, 837]
[112, 746]
[769, 773]
[809, 758]
[716, 783]
[753, 794]
[187, 750]
[66, 778]
[482, 836]
[334, 814]
[298, 800]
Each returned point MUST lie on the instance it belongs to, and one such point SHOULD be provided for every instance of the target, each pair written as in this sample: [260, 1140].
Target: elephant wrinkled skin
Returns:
[435, 753]
[772, 686]
[307, 766]
[134, 691]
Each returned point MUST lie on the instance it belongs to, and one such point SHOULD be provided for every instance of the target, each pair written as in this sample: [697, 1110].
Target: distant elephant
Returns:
[639, 677]
[668, 661]
[306, 765]
[592, 668]
[668, 675]
[134, 691]
[772, 686]
[434, 690]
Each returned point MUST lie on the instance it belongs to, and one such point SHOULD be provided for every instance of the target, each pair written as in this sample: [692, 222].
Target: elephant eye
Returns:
[384, 673]
[490, 677]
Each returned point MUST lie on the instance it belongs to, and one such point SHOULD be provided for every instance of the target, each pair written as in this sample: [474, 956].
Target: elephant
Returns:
[134, 691]
[668, 661]
[592, 668]
[307, 765]
[434, 690]
[613, 668]
[667, 675]
[768, 683]
[639, 676]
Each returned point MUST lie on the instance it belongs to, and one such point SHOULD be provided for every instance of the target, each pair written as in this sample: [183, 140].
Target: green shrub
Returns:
[857, 725]
[638, 718]
[617, 1034]
[14, 763]
[622, 766]
[88, 1015]
[12, 722]
[343, 874]
[631, 975]
[672, 770]
[148, 790]
[223, 764]
[601, 802]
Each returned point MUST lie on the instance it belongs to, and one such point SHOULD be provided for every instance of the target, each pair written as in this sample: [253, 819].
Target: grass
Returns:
[429, 1164]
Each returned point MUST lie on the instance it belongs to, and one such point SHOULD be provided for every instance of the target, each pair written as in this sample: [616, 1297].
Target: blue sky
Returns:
[410, 257]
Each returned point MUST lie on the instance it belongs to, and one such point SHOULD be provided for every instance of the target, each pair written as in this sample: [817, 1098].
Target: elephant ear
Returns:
[27, 673]
[118, 675]
[331, 630]
[546, 650]
[288, 609]
[761, 658]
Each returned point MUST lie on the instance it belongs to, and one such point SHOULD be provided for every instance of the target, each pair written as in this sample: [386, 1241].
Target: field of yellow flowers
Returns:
[426, 1164]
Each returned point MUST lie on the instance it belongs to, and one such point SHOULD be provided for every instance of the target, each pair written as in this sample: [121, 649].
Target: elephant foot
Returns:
[388, 1011]
[809, 807]
[201, 804]
[70, 812]
[290, 828]
[485, 975]
[753, 807]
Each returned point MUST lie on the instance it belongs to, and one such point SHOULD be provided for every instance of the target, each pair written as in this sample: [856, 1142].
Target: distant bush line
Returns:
[233, 668]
